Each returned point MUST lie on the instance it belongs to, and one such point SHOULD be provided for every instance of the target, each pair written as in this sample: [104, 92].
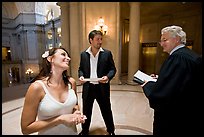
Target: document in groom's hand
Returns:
[92, 79]
[140, 77]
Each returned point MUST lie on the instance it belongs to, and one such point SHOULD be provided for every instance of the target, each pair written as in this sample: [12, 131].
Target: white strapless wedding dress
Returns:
[49, 107]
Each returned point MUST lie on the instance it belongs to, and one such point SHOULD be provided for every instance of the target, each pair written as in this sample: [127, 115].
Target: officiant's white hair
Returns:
[175, 31]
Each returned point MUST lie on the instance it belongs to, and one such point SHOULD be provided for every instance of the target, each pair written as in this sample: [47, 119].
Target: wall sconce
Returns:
[29, 72]
[101, 26]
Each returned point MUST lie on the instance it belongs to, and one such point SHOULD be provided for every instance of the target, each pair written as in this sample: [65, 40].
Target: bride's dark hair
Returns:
[46, 68]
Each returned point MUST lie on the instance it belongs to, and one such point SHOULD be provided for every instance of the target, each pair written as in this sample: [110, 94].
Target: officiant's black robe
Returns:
[176, 96]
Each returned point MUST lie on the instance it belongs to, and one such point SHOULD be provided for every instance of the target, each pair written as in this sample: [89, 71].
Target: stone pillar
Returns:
[65, 26]
[134, 44]
[75, 37]
[64, 6]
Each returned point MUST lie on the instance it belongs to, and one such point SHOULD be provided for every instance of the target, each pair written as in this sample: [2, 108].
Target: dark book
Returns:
[140, 77]
[137, 80]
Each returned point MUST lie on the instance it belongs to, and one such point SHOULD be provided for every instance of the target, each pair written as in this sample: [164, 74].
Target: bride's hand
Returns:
[74, 118]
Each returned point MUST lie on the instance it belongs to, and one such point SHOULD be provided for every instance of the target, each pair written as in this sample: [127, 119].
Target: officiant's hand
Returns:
[154, 76]
[144, 83]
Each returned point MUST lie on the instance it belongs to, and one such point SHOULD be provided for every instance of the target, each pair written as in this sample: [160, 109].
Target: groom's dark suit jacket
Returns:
[105, 67]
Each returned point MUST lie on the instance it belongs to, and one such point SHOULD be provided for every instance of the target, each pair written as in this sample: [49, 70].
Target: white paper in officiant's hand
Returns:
[142, 76]
[92, 79]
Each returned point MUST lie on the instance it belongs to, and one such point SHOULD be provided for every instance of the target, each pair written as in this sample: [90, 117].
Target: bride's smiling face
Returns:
[60, 59]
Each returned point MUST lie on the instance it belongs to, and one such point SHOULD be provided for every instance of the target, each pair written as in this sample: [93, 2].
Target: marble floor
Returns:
[131, 112]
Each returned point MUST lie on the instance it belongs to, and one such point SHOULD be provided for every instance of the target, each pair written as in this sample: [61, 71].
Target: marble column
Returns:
[75, 37]
[65, 26]
[64, 6]
[134, 44]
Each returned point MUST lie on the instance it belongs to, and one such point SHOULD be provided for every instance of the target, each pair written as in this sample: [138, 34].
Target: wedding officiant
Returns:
[176, 95]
